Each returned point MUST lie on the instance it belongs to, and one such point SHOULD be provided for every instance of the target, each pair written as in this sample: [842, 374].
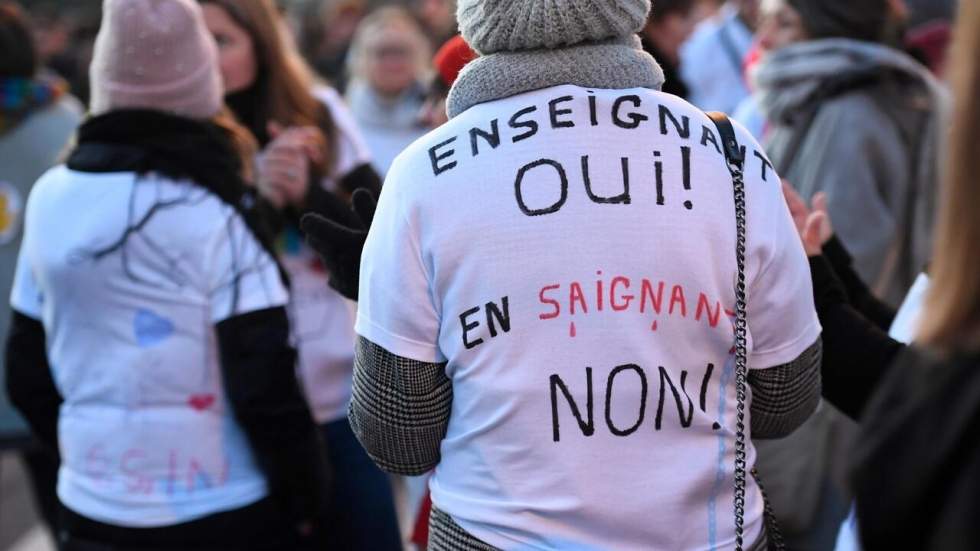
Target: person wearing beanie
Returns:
[855, 120]
[542, 298]
[150, 343]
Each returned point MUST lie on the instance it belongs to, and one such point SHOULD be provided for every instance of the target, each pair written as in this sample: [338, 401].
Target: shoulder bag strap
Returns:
[736, 164]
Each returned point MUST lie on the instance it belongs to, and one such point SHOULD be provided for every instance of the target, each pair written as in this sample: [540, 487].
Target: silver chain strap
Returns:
[741, 345]
[736, 166]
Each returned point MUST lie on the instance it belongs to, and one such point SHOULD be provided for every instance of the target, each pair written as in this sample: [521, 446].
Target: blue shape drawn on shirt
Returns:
[150, 329]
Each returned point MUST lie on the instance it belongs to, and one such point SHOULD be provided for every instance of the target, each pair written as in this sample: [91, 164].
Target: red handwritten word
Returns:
[624, 294]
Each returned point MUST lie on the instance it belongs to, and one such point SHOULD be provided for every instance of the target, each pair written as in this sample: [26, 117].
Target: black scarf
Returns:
[144, 141]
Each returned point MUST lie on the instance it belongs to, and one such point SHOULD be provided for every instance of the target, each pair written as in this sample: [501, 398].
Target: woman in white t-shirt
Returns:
[312, 158]
[150, 343]
[546, 293]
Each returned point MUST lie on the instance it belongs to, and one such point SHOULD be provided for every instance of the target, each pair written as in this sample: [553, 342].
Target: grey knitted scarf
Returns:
[611, 64]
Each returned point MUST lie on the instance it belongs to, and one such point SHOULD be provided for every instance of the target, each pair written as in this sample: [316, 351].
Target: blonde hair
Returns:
[373, 27]
[952, 315]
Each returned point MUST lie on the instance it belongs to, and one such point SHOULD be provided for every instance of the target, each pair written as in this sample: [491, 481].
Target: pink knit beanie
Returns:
[155, 54]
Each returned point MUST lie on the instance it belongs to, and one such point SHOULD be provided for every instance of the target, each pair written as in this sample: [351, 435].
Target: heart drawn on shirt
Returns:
[150, 329]
[201, 402]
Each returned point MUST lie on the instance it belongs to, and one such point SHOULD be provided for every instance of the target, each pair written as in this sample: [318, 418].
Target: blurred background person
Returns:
[929, 33]
[65, 35]
[312, 158]
[326, 30]
[670, 24]
[37, 119]
[712, 60]
[852, 118]
[388, 66]
[902, 393]
[153, 292]
[438, 19]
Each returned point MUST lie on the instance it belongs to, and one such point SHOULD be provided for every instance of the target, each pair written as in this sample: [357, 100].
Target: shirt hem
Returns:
[788, 352]
[397, 344]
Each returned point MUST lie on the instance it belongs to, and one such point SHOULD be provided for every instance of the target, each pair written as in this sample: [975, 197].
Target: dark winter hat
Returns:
[856, 19]
[492, 26]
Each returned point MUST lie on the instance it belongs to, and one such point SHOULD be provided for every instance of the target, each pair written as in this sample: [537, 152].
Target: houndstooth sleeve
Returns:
[785, 396]
[399, 409]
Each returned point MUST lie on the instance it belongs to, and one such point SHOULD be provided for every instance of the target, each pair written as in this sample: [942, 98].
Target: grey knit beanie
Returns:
[492, 26]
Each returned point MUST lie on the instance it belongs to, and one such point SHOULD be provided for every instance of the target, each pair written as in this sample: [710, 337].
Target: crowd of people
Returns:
[475, 274]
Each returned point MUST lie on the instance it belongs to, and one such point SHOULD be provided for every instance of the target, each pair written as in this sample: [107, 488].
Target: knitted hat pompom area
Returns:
[155, 54]
[492, 26]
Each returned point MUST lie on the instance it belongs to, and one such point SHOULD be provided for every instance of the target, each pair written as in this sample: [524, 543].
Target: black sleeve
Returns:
[859, 295]
[259, 369]
[333, 205]
[30, 384]
[325, 203]
[361, 177]
[856, 352]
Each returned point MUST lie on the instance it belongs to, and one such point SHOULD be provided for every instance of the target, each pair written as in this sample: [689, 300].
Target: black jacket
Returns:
[917, 459]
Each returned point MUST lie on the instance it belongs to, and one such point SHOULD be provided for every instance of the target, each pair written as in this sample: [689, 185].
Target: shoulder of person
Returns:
[49, 183]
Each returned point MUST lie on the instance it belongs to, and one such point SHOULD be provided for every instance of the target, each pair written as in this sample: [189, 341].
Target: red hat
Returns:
[451, 58]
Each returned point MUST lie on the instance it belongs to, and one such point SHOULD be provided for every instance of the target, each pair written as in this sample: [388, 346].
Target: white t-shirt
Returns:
[586, 337]
[712, 62]
[129, 302]
[321, 319]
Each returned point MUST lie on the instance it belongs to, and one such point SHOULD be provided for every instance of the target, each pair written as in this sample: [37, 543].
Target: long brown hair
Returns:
[286, 82]
[241, 140]
[952, 315]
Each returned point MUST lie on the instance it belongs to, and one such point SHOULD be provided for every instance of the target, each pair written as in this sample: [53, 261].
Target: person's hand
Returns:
[284, 167]
[813, 224]
[340, 242]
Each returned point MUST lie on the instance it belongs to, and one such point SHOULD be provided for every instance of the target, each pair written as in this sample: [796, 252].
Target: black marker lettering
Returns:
[634, 119]
[555, 112]
[531, 125]
[435, 157]
[468, 326]
[622, 198]
[520, 180]
[588, 428]
[492, 137]
[643, 399]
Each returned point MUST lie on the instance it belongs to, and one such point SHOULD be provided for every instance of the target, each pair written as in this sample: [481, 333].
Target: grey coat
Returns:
[861, 122]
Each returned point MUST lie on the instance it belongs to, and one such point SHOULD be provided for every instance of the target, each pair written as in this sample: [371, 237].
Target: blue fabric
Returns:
[364, 508]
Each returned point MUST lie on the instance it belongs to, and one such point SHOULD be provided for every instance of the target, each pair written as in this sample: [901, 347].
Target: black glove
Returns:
[340, 241]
